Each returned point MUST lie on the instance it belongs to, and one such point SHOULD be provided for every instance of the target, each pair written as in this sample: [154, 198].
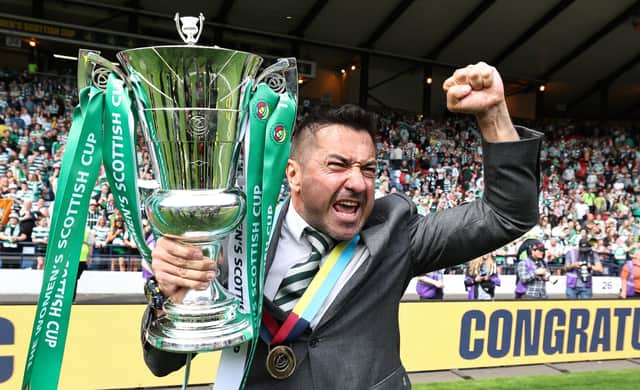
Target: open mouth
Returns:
[346, 206]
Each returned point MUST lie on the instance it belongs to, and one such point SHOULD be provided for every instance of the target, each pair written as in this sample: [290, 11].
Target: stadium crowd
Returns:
[590, 185]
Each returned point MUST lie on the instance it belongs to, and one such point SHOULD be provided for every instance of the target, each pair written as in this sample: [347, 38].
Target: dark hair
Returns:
[348, 115]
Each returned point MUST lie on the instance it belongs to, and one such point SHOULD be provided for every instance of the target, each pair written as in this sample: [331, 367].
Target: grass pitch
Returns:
[596, 380]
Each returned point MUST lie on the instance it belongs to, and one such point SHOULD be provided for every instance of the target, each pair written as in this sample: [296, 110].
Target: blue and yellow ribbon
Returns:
[311, 301]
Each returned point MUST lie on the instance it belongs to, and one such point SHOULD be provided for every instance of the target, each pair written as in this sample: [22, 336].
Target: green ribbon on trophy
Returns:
[119, 160]
[270, 126]
[81, 162]
[80, 166]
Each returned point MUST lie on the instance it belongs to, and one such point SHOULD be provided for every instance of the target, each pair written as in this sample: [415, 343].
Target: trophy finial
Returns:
[189, 31]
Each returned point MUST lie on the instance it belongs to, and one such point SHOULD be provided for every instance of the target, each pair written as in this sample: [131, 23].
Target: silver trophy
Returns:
[189, 100]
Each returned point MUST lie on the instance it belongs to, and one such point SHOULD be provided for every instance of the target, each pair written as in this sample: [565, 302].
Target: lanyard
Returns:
[311, 301]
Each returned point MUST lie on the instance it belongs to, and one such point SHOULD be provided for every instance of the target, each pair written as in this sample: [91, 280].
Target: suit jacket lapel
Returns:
[374, 237]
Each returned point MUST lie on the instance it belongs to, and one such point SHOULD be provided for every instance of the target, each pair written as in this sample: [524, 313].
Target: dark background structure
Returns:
[585, 52]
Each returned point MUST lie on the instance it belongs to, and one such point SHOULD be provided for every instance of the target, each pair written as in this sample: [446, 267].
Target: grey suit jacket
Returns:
[356, 345]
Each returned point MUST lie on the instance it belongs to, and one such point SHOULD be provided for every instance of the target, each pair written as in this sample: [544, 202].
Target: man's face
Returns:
[332, 180]
[537, 253]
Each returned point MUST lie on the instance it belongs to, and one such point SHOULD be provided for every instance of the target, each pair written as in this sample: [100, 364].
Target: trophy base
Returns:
[203, 336]
[205, 321]
[205, 314]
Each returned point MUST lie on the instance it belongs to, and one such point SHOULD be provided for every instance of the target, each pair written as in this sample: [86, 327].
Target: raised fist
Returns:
[474, 89]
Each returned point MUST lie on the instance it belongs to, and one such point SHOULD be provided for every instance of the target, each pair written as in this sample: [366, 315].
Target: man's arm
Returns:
[507, 210]
[160, 363]
[509, 206]
[523, 273]
[430, 281]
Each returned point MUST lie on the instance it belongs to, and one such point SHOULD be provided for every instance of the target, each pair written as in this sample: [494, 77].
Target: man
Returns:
[630, 276]
[94, 213]
[532, 273]
[353, 342]
[580, 263]
[11, 237]
[431, 286]
[555, 254]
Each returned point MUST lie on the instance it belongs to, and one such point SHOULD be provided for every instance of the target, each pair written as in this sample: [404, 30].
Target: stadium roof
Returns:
[576, 48]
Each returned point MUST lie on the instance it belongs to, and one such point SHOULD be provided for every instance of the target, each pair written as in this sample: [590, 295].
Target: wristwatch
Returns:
[153, 293]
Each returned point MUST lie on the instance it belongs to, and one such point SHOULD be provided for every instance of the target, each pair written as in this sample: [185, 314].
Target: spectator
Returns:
[34, 182]
[532, 273]
[11, 237]
[99, 235]
[40, 237]
[116, 239]
[27, 219]
[131, 250]
[580, 263]
[13, 193]
[53, 178]
[94, 213]
[630, 277]
[482, 278]
[431, 286]
[41, 209]
[555, 255]
[53, 108]
[619, 249]
[109, 206]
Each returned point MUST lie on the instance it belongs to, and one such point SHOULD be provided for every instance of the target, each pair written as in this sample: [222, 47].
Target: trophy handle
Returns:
[281, 77]
[176, 18]
[93, 69]
[201, 18]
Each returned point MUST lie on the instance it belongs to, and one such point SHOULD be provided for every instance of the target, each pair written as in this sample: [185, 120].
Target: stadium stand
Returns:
[590, 177]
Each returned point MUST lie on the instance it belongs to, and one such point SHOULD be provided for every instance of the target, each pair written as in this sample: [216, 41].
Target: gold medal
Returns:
[281, 362]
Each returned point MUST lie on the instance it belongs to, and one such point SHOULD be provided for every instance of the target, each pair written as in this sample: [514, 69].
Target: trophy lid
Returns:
[189, 29]
[152, 58]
